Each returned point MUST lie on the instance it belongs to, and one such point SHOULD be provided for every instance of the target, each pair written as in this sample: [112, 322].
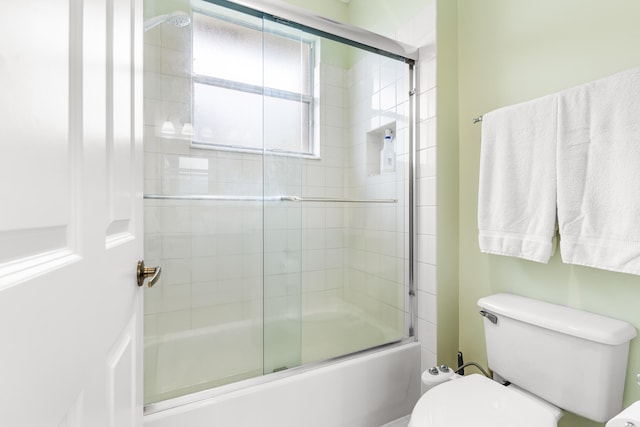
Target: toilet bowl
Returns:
[475, 400]
[542, 352]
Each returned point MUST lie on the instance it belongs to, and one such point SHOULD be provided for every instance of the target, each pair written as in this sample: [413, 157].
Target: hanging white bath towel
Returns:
[599, 173]
[517, 193]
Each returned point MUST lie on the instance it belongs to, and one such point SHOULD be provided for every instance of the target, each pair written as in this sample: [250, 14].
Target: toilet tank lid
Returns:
[560, 318]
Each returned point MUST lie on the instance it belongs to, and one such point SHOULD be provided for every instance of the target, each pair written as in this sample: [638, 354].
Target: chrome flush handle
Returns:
[490, 316]
[147, 272]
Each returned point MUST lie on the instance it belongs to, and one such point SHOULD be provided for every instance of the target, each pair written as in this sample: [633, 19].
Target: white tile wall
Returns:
[420, 31]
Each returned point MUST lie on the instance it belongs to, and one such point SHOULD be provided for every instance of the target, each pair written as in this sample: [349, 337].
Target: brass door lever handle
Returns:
[147, 272]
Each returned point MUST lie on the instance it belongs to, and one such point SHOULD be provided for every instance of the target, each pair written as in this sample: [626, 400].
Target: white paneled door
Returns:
[70, 213]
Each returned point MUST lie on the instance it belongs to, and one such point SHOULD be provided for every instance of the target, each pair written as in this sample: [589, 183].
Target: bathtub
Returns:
[366, 389]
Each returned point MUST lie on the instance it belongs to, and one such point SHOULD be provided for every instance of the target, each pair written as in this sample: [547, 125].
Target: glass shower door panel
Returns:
[204, 318]
[287, 104]
[204, 224]
[354, 242]
[282, 265]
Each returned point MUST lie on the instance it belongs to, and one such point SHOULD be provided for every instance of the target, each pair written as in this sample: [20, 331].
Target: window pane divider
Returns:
[249, 88]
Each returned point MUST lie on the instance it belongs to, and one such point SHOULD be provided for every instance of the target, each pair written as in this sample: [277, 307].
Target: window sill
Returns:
[236, 149]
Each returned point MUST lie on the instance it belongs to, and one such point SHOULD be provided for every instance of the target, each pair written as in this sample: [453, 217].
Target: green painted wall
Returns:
[384, 16]
[447, 267]
[515, 50]
[333, 9]
[380, 16]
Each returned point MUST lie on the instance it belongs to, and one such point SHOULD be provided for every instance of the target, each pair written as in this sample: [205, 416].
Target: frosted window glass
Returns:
[227, 117]
[227, 51]
[236, 52]
[285, 125]
[286, 64]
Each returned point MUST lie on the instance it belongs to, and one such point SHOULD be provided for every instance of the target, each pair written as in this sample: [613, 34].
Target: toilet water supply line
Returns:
[444, 369]
[461, 367]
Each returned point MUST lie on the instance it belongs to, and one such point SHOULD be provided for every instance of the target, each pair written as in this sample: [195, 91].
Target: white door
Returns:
[70, 213]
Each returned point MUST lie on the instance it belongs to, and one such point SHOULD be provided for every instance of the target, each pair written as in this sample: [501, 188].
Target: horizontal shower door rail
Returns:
[334, 200]
[212, 198]
[263, 199]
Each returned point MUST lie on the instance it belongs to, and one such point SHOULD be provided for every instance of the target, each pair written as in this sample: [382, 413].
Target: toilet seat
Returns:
[478, 401]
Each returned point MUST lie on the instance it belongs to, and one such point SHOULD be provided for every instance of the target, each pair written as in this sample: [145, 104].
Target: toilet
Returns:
[545, 358]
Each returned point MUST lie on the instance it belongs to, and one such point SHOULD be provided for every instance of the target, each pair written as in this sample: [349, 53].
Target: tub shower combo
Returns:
[278, 199]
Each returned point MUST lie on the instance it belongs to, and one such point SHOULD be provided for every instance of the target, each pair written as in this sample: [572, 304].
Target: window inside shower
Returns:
[246, 72]
[282, 239]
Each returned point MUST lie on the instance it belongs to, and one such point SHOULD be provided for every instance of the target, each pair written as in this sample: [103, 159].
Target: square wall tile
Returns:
[427, 335]
[427, 307]
[426, 278]
[427, 249]
[427, 191]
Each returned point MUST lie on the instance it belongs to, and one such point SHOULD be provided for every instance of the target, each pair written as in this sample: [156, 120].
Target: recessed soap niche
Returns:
[374, 146]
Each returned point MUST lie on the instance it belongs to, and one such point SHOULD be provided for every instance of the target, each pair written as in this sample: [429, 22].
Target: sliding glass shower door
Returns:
[276, 198]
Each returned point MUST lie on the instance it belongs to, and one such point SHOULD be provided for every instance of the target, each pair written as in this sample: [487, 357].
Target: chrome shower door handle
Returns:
[147, 272]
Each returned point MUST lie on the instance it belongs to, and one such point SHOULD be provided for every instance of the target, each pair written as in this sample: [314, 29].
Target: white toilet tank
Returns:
[571, 358]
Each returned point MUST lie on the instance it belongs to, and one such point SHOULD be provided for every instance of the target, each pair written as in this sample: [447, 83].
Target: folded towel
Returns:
[599, 173]
[517, 193]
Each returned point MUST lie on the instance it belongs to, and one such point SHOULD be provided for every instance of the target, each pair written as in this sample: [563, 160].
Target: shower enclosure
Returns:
[278, 176]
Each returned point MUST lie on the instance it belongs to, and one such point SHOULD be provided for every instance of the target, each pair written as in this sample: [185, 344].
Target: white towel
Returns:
[599, 173]
[517, 193]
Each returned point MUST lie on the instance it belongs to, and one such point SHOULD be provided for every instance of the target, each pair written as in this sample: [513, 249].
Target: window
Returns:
[252, 84]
